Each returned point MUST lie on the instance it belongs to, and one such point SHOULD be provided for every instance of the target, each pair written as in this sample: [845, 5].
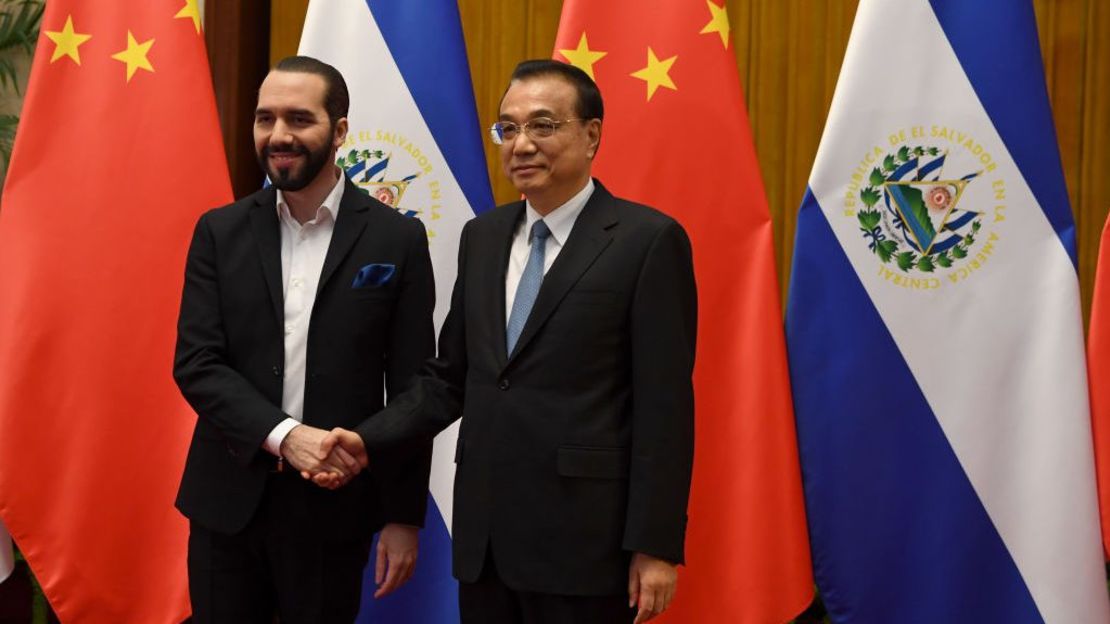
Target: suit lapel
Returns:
[503, 234]
[267, 234]
[350, 221]
[589, 237]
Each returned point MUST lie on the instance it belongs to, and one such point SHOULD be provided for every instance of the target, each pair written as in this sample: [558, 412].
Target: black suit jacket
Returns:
[576, 449]
[230, 357]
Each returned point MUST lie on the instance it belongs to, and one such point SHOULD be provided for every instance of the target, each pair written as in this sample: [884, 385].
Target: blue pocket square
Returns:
[373, 275]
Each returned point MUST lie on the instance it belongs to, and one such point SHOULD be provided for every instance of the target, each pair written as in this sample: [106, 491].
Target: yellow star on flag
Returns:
[190, 11]
[583, 57]
[66, 42]
[135, 55]
[656, 73]
[718, 23]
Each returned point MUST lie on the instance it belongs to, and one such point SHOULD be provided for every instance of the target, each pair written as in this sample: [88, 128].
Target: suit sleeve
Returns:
[215, 390]
[402, 472]
[434, 399]
[663, 334]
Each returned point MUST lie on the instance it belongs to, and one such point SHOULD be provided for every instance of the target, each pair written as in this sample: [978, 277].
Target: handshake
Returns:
[330, 459]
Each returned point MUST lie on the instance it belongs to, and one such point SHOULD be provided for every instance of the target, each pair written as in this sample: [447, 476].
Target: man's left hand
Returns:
[651, 585]
[347, 445]
[396, 560]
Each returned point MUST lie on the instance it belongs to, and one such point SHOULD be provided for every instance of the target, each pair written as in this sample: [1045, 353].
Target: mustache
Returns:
[284, 149]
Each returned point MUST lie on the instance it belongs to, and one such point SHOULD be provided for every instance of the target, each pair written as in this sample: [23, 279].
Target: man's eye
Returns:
[509, 130]
[543, 127]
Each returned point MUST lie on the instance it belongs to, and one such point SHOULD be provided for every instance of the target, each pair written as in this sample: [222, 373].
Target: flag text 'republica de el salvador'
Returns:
[934, 331]
[415, 144]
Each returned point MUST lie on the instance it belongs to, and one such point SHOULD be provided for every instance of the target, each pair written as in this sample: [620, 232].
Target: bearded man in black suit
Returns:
[304, 304]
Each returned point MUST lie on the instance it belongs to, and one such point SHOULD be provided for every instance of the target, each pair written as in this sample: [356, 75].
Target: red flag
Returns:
[117, 154]
[1098, 374]
[676, 137]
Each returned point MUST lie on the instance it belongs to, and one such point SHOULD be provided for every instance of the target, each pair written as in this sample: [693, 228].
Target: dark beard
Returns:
[284, 179]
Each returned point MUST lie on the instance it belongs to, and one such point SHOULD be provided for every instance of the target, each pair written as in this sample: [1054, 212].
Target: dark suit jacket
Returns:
[576, 449]
[230, 356]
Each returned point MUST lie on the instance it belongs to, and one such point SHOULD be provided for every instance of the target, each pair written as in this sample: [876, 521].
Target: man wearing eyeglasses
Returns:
[568, 352]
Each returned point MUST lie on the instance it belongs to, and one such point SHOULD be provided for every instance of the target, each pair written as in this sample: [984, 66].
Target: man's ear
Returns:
[593, 135]
[341, 127]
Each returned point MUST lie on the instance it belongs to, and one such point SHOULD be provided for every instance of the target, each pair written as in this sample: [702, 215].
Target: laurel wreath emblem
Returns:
[891, 249]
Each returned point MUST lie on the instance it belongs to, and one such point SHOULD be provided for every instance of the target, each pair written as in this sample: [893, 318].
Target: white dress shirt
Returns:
[303, 249]
[560, 221]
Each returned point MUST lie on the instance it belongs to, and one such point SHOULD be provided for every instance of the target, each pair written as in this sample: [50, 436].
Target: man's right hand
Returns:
[305, 449]
[348, 443]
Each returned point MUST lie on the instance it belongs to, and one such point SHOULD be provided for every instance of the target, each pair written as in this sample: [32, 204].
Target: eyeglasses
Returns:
[538, 128]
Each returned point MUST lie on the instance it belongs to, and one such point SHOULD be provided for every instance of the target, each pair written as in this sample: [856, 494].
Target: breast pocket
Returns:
[379, 295]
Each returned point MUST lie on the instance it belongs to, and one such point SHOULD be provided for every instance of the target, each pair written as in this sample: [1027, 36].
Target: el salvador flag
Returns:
[413, 124]
[939, 382]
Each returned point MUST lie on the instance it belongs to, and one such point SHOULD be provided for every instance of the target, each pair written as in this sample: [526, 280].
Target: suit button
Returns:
[503, 384]
[277, 371]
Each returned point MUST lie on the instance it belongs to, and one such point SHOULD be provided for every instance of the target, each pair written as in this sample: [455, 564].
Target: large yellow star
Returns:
[656, 73]
[718, 23]
[190, 11]
[66, 42]
[583, 57]
[135, 55]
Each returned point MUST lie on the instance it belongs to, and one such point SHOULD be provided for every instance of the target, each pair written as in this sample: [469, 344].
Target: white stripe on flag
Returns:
[345, 34]
[997, 349]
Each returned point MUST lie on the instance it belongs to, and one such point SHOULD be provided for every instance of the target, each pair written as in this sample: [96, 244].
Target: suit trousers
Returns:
[489, 601]
[285, 562]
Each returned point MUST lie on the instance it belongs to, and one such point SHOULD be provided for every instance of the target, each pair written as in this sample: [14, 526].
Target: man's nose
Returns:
[281, 133]
[523, 144]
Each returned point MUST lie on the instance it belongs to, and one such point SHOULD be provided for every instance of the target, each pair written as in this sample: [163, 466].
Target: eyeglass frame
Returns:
[497, 136]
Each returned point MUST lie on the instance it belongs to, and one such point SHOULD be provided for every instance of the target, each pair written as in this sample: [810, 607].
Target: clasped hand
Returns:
[329, 459]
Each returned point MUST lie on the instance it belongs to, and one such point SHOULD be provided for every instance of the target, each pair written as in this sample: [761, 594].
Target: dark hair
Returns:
[336, 98]
[589, 96]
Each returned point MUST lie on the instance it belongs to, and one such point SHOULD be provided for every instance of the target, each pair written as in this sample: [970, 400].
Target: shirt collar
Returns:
[330, 205]
[561, 220]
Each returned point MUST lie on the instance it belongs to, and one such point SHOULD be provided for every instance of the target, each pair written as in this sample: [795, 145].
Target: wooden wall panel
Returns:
[788, 54]
[286, 23]
[235, 34]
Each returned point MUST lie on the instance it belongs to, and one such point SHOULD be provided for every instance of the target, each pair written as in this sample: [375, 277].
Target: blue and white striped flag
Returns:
[414, 127]
[934, 332]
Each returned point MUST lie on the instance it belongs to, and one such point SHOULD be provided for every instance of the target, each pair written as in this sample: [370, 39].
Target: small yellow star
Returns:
[135, 55]
[190, 11]
[656, 73]
[719, 22]
[66, 42]
[583, 57]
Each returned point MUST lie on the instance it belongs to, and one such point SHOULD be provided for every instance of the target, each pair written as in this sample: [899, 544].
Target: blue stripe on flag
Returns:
[897, 532]
[906, 167]
[430, 596]
[425, 38]
[377, 168]
[960, 221]
[931, 166]
[997, 45]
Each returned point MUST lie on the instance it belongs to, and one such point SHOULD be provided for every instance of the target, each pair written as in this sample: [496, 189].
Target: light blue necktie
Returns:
[529, 285]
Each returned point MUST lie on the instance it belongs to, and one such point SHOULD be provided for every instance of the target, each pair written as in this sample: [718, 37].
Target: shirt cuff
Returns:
[277, 435]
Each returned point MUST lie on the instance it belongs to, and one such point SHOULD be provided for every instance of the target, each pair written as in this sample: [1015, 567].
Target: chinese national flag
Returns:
[1098, 372]
[676, 137]
[118, 153]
